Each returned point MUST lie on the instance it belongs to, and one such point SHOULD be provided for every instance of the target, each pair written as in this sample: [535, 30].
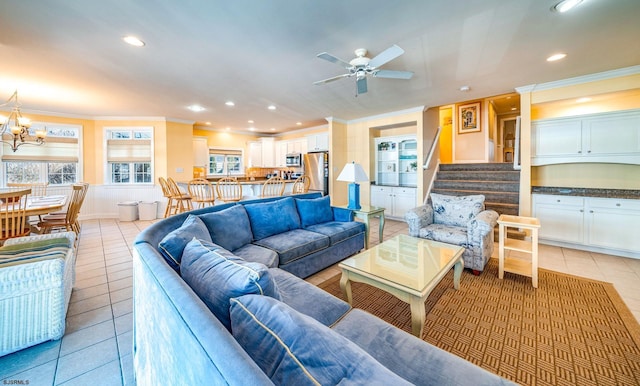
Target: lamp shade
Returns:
[353, 172]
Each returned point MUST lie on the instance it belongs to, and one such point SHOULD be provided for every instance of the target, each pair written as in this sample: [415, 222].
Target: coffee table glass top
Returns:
[409, 262]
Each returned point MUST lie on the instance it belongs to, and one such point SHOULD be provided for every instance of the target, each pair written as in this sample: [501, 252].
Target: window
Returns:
[129, 152]
[225, 161]
[55, 162]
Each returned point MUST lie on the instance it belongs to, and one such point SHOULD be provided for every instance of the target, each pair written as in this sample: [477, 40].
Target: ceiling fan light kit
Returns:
[361, 66]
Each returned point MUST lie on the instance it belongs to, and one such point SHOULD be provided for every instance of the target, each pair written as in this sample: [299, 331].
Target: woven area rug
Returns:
[568, 331]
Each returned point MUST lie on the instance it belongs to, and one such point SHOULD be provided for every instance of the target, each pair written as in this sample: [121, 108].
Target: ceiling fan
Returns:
[361, 66]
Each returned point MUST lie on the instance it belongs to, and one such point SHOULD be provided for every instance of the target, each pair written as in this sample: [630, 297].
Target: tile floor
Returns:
[96, 347]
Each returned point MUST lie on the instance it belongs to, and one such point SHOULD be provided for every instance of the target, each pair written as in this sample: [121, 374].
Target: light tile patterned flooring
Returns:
[96, 347]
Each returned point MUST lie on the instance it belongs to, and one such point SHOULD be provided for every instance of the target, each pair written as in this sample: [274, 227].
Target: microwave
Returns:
[294, 159]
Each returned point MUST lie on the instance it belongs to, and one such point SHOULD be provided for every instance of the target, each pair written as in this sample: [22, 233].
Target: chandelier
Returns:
[15, 128]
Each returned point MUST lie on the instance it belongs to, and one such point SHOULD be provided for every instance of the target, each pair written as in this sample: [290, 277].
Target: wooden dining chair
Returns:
[182, 199]
[68, 220]
[301, 185]
[201, 192]
[273, 187]
[13, 215]
[166, 192]
[37, 188]
[229, 189]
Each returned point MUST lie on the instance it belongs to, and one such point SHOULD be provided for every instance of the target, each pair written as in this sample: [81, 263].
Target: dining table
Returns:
[41, 205]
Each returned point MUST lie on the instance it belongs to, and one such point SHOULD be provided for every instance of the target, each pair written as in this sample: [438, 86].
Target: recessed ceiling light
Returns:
[252, 129]
[555, 57]
[207, 123]
[298, 123]
[196, 108]
[583, 100]
[565, 5]
[273, 129]
[271, 107]
[134, 41]
[465, 88]
[228, 128]
[229, 103]
[250, 121]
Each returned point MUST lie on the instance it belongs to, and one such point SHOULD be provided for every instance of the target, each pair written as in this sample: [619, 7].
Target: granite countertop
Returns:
[587, 192]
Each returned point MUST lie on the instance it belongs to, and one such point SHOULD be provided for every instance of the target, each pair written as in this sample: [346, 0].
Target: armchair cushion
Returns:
[456, 211]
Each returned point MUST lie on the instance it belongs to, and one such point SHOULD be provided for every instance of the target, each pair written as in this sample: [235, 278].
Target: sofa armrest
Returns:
[28, 239]
[418, 218]
[342, 214]
[483, 223]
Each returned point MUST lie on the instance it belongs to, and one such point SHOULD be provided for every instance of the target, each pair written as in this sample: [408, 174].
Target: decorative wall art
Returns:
[469, 118]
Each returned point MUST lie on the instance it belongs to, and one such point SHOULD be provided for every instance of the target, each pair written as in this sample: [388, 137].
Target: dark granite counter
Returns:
[587, 192]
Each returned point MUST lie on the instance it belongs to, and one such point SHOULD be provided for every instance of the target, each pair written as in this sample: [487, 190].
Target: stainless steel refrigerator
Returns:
[316, 166]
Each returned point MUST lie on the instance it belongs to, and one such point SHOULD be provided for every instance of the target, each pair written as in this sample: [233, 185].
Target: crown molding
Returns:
[633, 70]
[417, 109]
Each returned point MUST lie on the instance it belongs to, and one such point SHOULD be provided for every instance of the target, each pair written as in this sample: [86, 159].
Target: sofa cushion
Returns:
[456, 211]
[258, 254]
[314, 210]
[295, 349]
[229, 227]
[294, 244]
[217, 276]
[273, 217]
[445, 234]
[308, 299]
[172, 245]
[338, 231]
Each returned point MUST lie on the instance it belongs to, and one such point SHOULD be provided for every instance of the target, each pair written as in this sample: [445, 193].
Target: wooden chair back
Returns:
[273, 187]
[37, 188]
[183, 200]
[229, 189]
[13, 214]
[68, 222]
[202, 192]
[301, 185]
[166, 192]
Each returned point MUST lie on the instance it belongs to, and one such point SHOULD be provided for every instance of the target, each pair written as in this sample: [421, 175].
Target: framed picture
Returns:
[469, 116]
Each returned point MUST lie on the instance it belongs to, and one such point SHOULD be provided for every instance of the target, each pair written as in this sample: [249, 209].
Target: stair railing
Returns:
[432, 149]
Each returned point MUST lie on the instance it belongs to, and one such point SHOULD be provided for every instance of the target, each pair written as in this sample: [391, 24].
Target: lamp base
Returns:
[354, 196]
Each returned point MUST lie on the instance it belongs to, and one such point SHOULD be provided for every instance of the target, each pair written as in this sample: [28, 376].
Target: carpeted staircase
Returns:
[499, 183]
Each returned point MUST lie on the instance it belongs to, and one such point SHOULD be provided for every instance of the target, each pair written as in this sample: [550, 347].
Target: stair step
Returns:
[479, 175]
[503, 166]
[497, 186]
[502, 208]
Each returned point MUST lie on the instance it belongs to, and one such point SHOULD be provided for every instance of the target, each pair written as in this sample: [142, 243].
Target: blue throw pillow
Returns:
[273, 217]
[216, 276]
[172, 245]
[314, 211]
[295, 349]
[229, 227]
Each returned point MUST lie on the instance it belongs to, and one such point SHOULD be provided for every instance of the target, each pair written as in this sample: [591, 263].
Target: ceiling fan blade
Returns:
[327, 56]
[331, 79]
[393, 74]
[361, 84]
[386, 56]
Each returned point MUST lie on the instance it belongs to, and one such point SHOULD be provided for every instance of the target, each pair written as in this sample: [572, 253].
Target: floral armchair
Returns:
[460, 221]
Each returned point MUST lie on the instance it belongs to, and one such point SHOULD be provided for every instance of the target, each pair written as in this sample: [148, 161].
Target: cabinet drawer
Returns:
[404, 190]
[559, 200]
[613, 203]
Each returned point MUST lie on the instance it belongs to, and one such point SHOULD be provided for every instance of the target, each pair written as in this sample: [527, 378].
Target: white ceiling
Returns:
[67, 56]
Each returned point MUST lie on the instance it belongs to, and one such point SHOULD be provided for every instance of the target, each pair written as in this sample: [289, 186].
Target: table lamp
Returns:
[353, 173]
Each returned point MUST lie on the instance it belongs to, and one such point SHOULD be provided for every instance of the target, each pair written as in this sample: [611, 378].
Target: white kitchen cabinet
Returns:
[200, 152]
[297, 146]
[318, 142]
[612, 137]
[262, 153]
[606, 225]
[281, 153]
[396, 200]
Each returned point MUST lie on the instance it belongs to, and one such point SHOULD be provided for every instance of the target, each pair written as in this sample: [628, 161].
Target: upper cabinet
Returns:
[318, 142]
[612, 137]
[200, 152]
[396, 161]
[262, 153]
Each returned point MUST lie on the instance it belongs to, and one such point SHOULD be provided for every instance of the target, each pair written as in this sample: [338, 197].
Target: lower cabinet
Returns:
[596, 223]
[396, 200]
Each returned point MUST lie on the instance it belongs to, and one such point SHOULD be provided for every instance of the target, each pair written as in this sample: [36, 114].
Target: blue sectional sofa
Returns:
[213, 307]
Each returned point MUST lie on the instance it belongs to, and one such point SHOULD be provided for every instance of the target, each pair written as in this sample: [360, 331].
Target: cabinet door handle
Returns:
[579, 151]
[590, 211]
[618, 204]
[558, 200]
[581, 210]
[588, 151]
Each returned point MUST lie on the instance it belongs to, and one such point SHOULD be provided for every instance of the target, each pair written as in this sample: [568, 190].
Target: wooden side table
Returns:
[514, 265]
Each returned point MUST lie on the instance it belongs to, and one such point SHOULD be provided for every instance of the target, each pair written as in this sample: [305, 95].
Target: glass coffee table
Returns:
[407, 267]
